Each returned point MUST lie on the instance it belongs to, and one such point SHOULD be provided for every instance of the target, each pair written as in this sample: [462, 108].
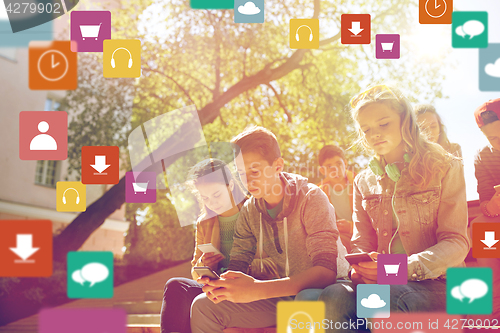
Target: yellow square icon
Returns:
[121, 58]
[301, 316]
[304, 34]
[71, 197]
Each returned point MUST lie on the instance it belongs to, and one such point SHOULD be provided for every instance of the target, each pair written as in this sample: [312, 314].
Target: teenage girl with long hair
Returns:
[410, 200]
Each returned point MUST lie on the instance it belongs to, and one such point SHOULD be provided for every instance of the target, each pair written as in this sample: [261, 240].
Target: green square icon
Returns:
[212, 4]
[469, 30]
[469, 290]
[90, 274]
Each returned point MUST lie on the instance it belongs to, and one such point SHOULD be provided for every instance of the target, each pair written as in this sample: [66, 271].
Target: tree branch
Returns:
[288, 115]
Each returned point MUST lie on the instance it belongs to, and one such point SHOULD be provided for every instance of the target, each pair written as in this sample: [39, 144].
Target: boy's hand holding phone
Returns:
[210, 259]
[233, 286]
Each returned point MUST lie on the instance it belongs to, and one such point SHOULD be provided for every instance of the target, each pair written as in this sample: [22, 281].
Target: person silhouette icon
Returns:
[43, 141]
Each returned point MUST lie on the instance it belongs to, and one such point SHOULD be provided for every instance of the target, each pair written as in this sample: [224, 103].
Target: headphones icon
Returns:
[289, 329]
[297, 33]
[113, 64]
[77, 198]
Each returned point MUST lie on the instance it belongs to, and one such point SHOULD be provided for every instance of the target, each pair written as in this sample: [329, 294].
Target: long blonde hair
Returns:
[427, 159]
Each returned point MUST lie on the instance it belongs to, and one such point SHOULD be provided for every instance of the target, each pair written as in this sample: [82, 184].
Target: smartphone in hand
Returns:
[356, 258]
[205, 271]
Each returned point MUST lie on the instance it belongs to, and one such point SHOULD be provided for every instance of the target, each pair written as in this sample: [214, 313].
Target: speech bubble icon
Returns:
[455, 292]
[95, 272]
[473, 289]
[473, 28]
[77, 277]
[460, 31]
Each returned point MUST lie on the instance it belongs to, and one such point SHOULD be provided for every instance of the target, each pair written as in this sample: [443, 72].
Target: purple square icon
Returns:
[392, 269]
[387, 46]
[140, 187]
[61, 320]
[89, 29]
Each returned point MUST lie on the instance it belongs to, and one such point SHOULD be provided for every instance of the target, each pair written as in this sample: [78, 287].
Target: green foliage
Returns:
[197, 57]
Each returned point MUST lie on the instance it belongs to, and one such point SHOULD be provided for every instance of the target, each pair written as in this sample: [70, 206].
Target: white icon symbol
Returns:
[90, 31]
[100, 164]
[297, 33]
[24, 248]
[93, 273]
[387, 46]
[289, 328]
[113, 64]
[140, 187]
[43, 141]
[391, 269]
[471, 28]
[355, 29]
[373, 302]
[493, 69]
[77, 196]
[436, 6]
[471, 288]
[249, 8]
[53, 54]
[489, 240]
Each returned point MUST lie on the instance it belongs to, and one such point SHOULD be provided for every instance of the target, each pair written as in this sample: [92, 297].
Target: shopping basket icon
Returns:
[391, 269]
[140, 187]
[90, 31]
[387, 46]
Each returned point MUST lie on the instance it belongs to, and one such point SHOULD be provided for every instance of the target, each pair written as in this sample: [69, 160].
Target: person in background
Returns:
[220, 198]
[487, 171]
[337, 185]
[430, 124]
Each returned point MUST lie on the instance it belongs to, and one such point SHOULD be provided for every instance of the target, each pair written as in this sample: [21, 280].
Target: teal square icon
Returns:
[469, 290]
[212, 4]
[248, 11]
[90, 274]
[373, 301]
[489, 68]
[469, 30]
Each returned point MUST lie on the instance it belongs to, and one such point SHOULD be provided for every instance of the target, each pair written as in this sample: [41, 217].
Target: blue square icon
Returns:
[23, 38]
[373, 301]
[489, 68]
[248, 11]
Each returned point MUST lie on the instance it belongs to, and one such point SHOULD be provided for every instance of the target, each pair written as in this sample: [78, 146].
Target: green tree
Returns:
[238, 74]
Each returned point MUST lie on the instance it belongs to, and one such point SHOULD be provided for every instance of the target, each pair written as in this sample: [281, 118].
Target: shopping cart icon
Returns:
[391, 269]
[387, 46]
[140, 187]
[90, 31]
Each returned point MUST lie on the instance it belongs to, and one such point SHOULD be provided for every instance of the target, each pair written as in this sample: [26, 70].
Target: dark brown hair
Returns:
[330, 151]
[260, 140]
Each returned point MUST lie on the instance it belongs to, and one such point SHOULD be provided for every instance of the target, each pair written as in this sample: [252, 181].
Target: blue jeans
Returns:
[340, 301]
[178, 295]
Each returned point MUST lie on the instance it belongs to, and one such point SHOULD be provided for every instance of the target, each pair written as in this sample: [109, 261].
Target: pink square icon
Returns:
[43, 135]
[89, 29]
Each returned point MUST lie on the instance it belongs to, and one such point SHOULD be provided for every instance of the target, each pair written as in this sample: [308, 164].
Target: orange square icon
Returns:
[435, 11]
[52, 66]
[486, 240]
[100, 164]
[355, 29]
[25, 248]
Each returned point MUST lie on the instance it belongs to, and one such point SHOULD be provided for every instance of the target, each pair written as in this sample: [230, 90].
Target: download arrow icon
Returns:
[100, 163]
[355, 28]
[24, 246]
[489, 239]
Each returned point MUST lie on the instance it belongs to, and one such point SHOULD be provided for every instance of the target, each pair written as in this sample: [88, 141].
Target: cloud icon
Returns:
[373, 302]
[493, 69]
[249, 9]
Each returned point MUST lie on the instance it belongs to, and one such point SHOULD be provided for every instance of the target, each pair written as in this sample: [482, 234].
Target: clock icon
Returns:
[53, 65]
[436, 7]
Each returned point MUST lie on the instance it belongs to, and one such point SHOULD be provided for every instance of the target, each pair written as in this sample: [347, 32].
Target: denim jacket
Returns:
[433, 221]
